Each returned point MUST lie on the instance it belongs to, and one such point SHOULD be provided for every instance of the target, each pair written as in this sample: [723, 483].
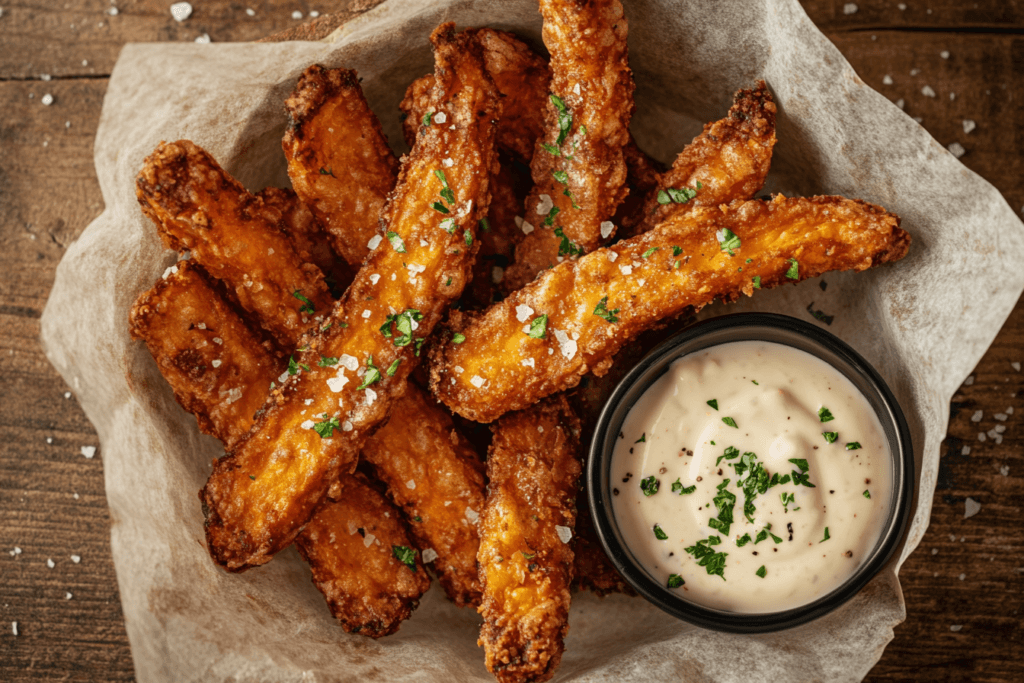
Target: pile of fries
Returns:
[521, 245]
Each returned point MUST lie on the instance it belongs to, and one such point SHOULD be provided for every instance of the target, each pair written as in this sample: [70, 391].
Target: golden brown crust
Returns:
[520, 75]
[248, 520]
[593, 570]
[350, 546]
[821, 233]
[729, 160]
[219, 368]
[436, 477]
[234, 235]
[338, 157]
[533, 468]
[590, 73]
[497, 239]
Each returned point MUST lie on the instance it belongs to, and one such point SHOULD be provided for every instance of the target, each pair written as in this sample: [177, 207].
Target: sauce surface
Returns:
[751, 477]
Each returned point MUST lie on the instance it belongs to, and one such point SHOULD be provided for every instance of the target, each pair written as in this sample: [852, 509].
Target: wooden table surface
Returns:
[950, 63]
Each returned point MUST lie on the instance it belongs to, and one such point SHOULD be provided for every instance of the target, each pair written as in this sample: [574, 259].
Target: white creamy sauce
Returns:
[774, 394]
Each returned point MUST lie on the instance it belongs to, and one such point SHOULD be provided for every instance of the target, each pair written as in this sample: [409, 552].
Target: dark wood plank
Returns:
[48, 194]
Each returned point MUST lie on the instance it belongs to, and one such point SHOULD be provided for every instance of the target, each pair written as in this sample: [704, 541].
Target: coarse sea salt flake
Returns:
[440, 117]
[411, 484]
[50, 563]
[76, 559]
[216, 363]
[346, 426]
[477, 381]
[429, 555]
[283, 377]
[371, 396]
[544, 205]
[374, 242]
[850, 8]
[472, 515]
[971, 508]
[523, 313]
[308, 424]
[308, 402]
[956, 149]
[47, 99]
[564, 533]
[369, 539]
[612, 256]
[626, 270]
[338, 382]
[296, 15]
[977, 416]
[366, 313]
[1015, 365]
[448, 163]
[458, 369]
[497, 274]
[374, 278]
[181, 11]
[529, 362]
[171, 270]
[567, 346]
[887, 79]
[350, 363]
[606, 229]
[88, 451]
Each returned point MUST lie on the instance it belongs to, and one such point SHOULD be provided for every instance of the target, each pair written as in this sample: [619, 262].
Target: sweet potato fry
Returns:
[579, 171]
[219, 368]
[312, 428]
[521, 76]
[526, 559]
[437, 478]
[362, 559]
[728, 161]
[338, 157]
[545, 337]
[234, 235]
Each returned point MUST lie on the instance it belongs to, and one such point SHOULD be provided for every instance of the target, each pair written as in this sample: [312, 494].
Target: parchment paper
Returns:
[923, 322]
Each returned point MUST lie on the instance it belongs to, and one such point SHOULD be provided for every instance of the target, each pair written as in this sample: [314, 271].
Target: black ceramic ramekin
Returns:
[749, 327]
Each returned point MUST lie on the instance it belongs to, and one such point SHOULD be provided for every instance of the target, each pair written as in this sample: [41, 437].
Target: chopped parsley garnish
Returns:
[675, 581]
[572, 198]
[724, 502]
[326, 428]
[708, 558]
[293, 367]
[753, 479]
[567, 247]
[469, 238]
[252, 477]
[561, 176]
[372, 375]
[327, 361]
[729, 421]
[825, 415]
[449, 282]
[650, 251]
[729, 242]
[801, 463]
[659, 534]
[396, 242]
[826, 536]
[393, 368]
[787, 499]
[551, 149]
[446, 192]
[427, 118]
[527, 555]
[867, 494]
[743, 540]
[762, 571]
[327, 171]
[564, 119]
[539, 327]
[801, 478]
[830, 436]
[458, 338]
[417, 518]
[642, 439]
[794, 270]
[677, 487]
[307, 306]
[485, 224]
[713, 403]
[853, 446]
[448, 224]
[755, 382]
[765, 533]
[438, 206]
[757, 282]
[550, 220]
[601, 311]
[678, 196]
[676, 251]
[730, 453]
[403, 326]
[405, 555]
[649, 485]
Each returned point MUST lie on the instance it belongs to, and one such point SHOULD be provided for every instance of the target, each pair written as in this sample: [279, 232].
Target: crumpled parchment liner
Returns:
[923, 322]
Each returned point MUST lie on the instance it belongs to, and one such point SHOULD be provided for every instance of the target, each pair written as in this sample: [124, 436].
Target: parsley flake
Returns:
[757, 282]
[564, 118]
[649, 485]
[469, 238]
[567, 247]
[825, 415]
[762, 571]
[724, 502]
[396, 242]
[713, 403]
[853, 446]
[729, 421]
[729, 241]
[650, 251]
[601, 311]
[446, 192]
[438, 206]
[642, 439]
[551, 149]
[307, 306]
[405, 555]
[393, 368]
[403, 321]
[743, 540]
[448, 224]
[826, 536]
[458, 338]
[713, 562]
[794, 270]
[572, 198]
[550, 220]
[830, 436]
[676, 251]
[326, 428]
[427, 118]
[327, 361]
[867, 494]
[675, 581]
[561, 176]
[485, 224]
[677, 487]
[678, 196]
[659, 534]
[327, 171]
[539, 327]
[372, 375]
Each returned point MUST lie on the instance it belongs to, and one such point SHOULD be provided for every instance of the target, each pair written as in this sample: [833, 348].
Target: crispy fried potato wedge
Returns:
[579, 171]
[728, 161]
[521, 76]
[437, 478]
[338, 157]
[219, 368]
[526, 558]
[592, 568]
[588, 309]
[313, 427]
[362, 560]
[234, 235]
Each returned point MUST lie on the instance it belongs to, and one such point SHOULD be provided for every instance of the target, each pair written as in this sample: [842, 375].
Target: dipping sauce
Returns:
[751, 477]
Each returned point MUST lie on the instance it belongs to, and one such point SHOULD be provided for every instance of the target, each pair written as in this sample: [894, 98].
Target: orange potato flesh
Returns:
[436, 477]
[520, 74]
[338, 157]
[249, 519]
[235, 236]
[349, 544]
[590, 73]
[526, 567]
[728, 160]
[485, 376]
[219, 368]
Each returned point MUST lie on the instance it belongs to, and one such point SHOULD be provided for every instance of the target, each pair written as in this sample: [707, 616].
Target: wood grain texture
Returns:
[49, 193]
